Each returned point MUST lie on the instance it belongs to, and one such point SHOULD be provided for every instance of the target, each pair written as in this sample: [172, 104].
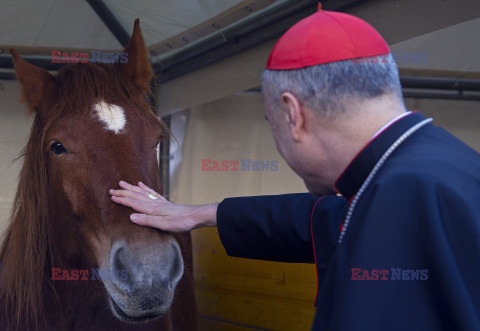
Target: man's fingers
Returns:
[122, 200]
[134, 203]
[139, 219]
[159, 222]
[129, 194]
[140, 192]
[130, 187]
[145, 187]
[148, 220]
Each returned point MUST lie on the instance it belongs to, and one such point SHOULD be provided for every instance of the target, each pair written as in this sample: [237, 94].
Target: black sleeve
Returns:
[273, 228]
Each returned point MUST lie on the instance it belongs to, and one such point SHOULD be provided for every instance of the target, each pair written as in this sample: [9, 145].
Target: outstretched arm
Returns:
[274, 228]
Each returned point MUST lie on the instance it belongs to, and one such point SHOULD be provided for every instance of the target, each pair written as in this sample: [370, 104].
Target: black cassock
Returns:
[410, 255]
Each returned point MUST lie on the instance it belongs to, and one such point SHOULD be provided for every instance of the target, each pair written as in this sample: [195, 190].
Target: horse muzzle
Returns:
[141, 284]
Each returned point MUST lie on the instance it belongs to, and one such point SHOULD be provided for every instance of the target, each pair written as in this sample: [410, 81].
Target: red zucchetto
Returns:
[324, 37]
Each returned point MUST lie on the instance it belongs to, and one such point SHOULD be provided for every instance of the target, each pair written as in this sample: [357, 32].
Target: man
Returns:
[400, 248]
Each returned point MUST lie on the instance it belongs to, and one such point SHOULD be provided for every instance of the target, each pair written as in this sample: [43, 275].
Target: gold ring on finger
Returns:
[153, 195]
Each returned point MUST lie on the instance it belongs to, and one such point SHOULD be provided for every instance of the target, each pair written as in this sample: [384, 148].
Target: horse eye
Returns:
[58, 149]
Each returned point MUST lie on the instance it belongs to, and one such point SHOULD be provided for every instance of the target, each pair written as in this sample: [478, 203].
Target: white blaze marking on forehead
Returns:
[112, 116]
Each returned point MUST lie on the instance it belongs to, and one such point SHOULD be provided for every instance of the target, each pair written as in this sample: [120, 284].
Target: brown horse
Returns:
[93, 126]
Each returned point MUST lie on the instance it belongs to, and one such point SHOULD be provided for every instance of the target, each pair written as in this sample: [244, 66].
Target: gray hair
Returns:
[329, 88]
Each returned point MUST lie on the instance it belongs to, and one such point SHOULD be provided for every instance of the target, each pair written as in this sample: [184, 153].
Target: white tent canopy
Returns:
[445, 30]
[74, 24]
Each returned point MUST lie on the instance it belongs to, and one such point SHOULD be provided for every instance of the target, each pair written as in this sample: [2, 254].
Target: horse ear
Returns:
[36, 82]
[138, 67]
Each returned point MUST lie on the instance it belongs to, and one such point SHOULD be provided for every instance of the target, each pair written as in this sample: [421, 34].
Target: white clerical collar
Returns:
[390, 123]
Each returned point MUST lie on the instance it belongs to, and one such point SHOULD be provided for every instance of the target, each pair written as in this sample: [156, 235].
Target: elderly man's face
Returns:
[298, 146]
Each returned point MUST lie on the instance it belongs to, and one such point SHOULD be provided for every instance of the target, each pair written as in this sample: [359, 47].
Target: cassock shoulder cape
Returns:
[410, 257]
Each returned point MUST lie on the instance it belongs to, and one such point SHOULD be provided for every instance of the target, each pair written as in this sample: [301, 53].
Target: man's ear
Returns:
[36, 82]
[137, 67]
[294, 115]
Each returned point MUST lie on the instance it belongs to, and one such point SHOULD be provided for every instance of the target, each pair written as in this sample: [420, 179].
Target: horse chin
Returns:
[138, 317]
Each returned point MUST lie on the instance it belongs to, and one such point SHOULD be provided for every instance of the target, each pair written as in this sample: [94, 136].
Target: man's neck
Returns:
[345, 136]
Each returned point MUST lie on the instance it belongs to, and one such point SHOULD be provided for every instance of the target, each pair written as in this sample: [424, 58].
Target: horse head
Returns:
[93, 126]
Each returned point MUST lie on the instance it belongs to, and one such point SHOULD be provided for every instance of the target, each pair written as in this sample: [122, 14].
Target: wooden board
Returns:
[234, 293]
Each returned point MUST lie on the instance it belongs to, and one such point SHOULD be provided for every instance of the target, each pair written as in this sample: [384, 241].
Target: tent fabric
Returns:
[74, 24]
[54, 23]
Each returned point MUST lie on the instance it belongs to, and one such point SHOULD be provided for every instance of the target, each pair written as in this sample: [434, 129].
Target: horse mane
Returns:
[25, 253]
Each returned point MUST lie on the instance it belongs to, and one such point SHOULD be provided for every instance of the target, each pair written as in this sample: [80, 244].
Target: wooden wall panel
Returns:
[259, 294]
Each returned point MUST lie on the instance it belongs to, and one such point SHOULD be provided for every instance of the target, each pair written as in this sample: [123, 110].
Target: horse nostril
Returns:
[117, 260]
[176, 270]
[119, 264]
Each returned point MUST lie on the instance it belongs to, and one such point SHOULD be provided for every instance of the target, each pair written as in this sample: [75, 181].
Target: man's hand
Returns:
[161, 213]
